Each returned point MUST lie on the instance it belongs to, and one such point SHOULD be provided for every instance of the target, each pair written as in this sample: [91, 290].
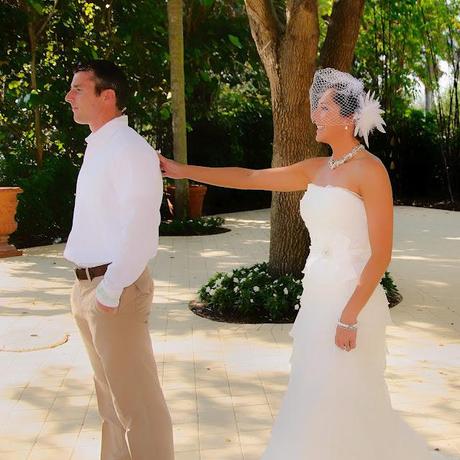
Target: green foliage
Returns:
[241, 125]
[218, 50]
[388, 49]
[237, 132]
[411, 151]
[46, 206]
[402, 42]
[134, 35]
[196, 226]
[401, 45]
[391, 290]
[253, 294]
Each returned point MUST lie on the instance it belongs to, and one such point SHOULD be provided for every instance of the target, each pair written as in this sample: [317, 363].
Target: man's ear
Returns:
[109, 95]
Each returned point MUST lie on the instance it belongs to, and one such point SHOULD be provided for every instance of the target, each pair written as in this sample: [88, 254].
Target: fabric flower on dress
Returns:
[336, 257]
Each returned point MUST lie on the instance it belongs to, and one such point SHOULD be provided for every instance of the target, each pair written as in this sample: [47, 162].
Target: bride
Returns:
[337, 405]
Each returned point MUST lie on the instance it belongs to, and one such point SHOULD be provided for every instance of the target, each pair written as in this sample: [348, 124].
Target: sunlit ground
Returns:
[223, 383]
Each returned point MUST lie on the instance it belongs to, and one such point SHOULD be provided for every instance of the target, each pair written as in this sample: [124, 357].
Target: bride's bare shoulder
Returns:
[372, 162]
[373, 172]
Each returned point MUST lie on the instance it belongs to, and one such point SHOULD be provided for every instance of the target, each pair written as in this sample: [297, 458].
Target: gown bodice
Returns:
[337, 222]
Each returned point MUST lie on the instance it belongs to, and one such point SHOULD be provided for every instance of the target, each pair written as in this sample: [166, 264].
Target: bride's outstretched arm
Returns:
[378, 202]
[284, 179]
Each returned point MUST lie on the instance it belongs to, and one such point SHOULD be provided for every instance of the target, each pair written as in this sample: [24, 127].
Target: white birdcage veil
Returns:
[352, 106]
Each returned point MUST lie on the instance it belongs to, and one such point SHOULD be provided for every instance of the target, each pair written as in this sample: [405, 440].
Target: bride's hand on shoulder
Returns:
[171, 168]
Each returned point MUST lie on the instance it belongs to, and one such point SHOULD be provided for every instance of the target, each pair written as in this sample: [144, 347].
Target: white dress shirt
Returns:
[117, 208]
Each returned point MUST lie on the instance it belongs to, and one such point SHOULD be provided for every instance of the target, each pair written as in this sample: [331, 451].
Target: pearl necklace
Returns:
[336, 163]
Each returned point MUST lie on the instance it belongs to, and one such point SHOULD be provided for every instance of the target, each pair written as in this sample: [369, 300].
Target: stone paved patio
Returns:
[223, 383]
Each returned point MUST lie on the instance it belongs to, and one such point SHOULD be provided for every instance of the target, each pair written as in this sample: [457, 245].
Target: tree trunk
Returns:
[33, 80]
[293, 137]
[428, 99]
[36, 26]
[289, 53]
[176, 53]
[429, 84]
[342, 33]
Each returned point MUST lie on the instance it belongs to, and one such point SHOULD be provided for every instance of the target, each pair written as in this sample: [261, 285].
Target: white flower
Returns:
[208, 289]
[296, 306]
[256, 288]
[285, 290]
[298, 297]
[236, 289]
[211, 292]
[274, 294]
[256, 269]
[250, 300]
[236, 280]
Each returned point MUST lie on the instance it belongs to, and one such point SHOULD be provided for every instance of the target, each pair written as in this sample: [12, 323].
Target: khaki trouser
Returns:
[136, 424]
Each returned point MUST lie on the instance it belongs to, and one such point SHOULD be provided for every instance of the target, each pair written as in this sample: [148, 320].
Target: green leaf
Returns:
[235, 41]
[14, 84]
[36, 5]
[205, 76]
[207, 3]
[30, 99]
[165, 113]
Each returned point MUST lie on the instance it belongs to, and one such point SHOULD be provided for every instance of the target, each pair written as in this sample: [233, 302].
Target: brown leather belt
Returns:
[91, 272]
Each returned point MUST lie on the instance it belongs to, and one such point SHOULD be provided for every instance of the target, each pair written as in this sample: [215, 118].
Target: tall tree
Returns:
[447, 105]
[288, 44]
[37, 22]
[176, 53]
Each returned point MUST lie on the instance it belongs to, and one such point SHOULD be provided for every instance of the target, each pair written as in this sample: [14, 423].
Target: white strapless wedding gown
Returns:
[337, 405]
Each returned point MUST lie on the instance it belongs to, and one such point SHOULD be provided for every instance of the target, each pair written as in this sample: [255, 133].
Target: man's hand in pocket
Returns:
[105, 309]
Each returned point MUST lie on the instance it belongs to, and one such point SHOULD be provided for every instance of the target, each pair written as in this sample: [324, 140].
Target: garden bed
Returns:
[253, 295]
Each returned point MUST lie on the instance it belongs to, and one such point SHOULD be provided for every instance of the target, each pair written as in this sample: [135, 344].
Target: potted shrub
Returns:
[8, 224]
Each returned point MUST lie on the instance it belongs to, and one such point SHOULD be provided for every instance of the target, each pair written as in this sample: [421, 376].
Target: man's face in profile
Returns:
[86, 104]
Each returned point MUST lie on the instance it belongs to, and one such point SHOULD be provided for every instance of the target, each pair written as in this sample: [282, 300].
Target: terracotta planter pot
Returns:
[196, 199]
[8, 224]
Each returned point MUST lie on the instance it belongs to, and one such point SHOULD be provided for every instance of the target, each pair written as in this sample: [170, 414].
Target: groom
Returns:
[114, 234]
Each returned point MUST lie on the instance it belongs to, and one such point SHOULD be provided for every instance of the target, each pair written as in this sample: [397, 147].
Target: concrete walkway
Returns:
[223, 382]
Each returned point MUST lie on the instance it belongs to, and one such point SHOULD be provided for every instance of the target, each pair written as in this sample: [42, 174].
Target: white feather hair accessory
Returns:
[368, 117]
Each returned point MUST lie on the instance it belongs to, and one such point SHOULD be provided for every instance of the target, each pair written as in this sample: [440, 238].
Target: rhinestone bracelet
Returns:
[349, 327]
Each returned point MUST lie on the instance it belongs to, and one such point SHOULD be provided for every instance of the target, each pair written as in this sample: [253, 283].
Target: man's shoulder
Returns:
[129, 144]
[129, 136]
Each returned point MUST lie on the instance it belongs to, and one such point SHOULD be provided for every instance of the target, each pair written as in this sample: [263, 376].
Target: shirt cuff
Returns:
[109, 298]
